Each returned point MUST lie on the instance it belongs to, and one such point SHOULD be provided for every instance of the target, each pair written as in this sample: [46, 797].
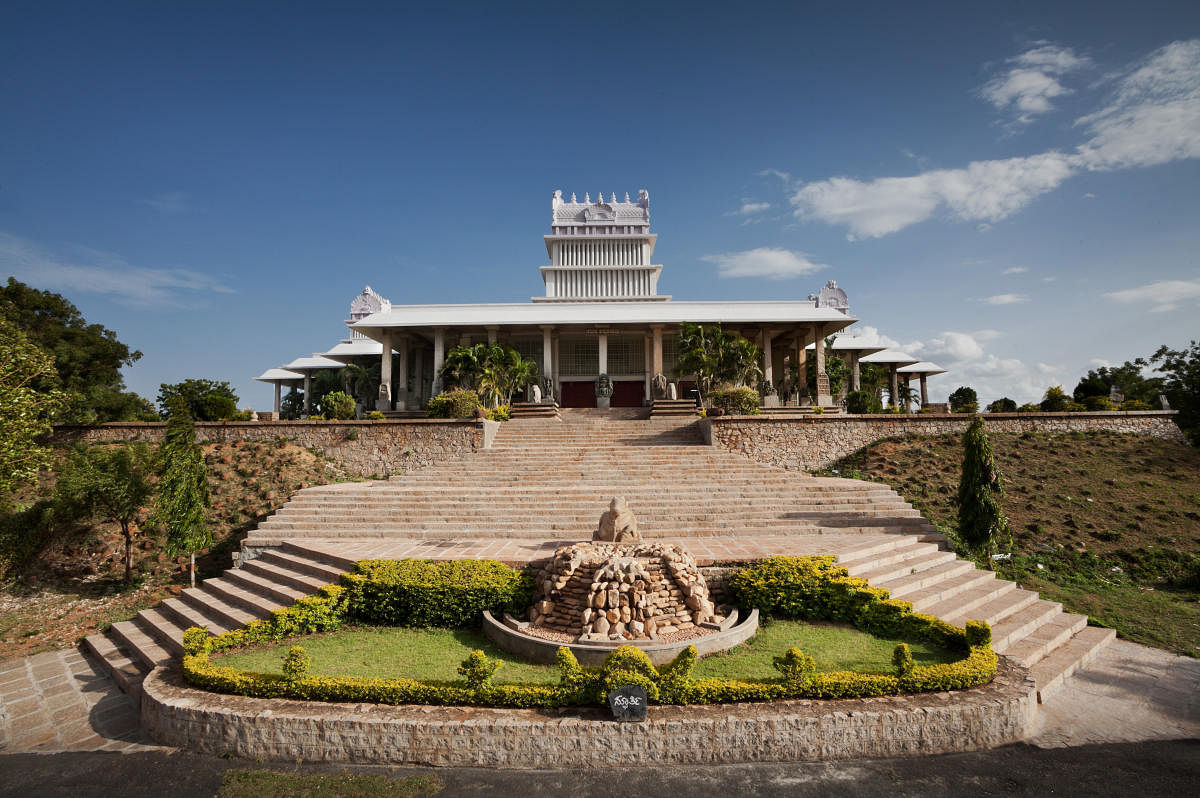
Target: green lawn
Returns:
[401, 652]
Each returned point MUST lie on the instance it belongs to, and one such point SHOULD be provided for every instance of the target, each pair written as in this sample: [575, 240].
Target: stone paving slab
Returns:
[63, 701]
[1129, 693]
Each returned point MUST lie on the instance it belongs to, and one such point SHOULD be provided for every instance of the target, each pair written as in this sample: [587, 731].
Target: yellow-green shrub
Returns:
[425, 593]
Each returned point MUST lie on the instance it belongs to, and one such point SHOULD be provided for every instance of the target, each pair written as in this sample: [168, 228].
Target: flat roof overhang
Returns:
[590, 315]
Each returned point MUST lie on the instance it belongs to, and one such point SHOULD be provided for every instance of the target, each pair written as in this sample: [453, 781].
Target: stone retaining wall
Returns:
[933, 723]
[363, 448]
[818, 441]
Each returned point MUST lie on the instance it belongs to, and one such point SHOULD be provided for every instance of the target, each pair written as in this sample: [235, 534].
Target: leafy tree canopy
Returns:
[205, 400]
[25, 411]
[87, 357]
[1002, 405]
[1055, 400]
[981, 522]
[964, 400]
[183, 487]
[1181, 384]
[1128, 378]
[717, 357]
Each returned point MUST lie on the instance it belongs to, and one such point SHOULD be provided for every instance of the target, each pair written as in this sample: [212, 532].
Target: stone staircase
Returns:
[548, 480]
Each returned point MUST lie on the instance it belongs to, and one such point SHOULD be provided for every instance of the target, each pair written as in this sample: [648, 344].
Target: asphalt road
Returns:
[1142, 769]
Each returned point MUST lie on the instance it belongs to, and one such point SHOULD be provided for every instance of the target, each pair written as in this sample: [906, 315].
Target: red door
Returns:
[628, 393]
[578, 394]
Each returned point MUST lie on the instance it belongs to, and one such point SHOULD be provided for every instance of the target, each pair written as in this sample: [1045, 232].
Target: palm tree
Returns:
[463, 366]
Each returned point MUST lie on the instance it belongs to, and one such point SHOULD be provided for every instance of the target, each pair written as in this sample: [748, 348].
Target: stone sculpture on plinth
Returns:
[617, 523]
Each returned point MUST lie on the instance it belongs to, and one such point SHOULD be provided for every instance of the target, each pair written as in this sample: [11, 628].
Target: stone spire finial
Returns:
[573, 197]
[614, 196]
[587, 197]
[627, 196]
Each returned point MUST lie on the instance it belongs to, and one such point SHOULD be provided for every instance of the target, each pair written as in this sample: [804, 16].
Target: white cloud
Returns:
[101, 273]
[1099, 362]
[769, 262]
[170, 203]
[1161, 296]
[784, 176]
[1049, 279]
[750, 208]
[1006, 299]
[870, 336]
[984, 191]
[986, 335]
[1016, 270]
[1032, 81]
[1153, 117]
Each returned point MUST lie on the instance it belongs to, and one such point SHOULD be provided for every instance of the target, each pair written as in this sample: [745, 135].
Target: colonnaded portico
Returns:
[601, 315]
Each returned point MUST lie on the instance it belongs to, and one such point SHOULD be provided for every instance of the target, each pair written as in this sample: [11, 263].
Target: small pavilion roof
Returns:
[924, 368]
[279, 375]
[358, 347]
[314, 363]
[891, 357]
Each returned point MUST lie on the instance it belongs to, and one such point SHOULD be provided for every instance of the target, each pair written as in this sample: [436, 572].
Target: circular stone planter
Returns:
[998, 713]
[738, 629]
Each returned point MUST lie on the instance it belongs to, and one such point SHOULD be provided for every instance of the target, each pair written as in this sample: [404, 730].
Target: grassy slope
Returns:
[401, 652]
[72, 586]
[1113, 520]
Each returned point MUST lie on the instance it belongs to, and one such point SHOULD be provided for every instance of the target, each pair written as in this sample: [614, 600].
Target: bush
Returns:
[459, 403]
[296, 663]
[375, 415]
[981, 522]
[1002, 405]
[500, 413]
[1095, 403]
[902, 658]
[1029, 407]
[1055, 400]
[242, 415]
[741, 401]
[207, 400]
[338, 405]
[423, 593]
[964, 400]
[1135, 404]
[863, 402]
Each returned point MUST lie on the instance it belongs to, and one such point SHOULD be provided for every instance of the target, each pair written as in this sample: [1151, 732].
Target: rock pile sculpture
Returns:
[621, 591]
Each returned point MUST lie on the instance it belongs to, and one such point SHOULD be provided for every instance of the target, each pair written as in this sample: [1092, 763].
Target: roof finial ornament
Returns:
[587, 197]
[627, 196]
[614, 196]
[573, 197]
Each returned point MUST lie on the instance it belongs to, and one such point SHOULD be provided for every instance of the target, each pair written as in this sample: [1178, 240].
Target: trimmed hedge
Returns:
[741, 401]
[810, 587]
[459, 403]
[424, 593]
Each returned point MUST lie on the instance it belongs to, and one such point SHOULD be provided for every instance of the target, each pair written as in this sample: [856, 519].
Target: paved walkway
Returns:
[63, 701]
[1129, 693]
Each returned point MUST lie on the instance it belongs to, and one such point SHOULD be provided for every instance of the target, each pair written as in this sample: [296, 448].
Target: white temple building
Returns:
[601, 315]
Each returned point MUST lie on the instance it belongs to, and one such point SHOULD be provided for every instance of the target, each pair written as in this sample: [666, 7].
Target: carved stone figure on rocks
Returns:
[659, 386]
[535, 393]
[617, 524]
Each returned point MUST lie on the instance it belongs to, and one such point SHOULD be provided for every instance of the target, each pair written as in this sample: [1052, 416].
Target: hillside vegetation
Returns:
[62, 579]
[1107, 524]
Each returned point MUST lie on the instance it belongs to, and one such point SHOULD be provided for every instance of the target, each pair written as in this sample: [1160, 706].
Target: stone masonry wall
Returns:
[363, 448]
[818, 441]
[998, 713]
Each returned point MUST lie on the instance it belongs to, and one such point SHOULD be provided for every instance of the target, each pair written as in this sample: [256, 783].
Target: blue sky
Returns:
[1009, 189]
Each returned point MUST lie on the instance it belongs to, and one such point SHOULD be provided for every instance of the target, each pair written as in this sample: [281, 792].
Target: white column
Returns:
[904, 396]
[855, 379]
[768, 366]
[924, 393]
[419, 376]
[656, 359]
[893, 385]
[823, 397]
[439, 356]
[648, 395]
[384, 400]
[402, 375]
[278, 403]
[307, 392]
[602, 350]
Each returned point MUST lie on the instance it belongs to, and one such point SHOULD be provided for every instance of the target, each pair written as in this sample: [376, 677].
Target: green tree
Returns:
[463, 367]
[717, 357]
[1002, 405]
[964, 400]
[338, 405]
[494, 371]
[981, 522]
[111, 483]
[205, 400]
[87, 357]
[291, 405]
[1128, 378]
[182, 488]
[25, 410]
[1055, 400]
[1181, 384]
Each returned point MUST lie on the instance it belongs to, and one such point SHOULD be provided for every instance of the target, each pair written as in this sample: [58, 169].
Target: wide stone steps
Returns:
[130, 649]
[1065, 660]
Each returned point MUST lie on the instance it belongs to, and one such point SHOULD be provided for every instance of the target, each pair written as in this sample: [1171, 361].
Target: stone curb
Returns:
[932, 723]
